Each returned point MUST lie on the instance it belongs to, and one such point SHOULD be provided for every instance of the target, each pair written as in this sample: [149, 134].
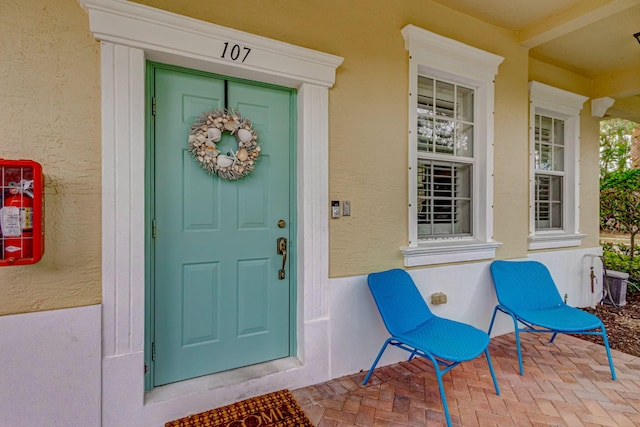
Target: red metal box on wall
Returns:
[21, 212]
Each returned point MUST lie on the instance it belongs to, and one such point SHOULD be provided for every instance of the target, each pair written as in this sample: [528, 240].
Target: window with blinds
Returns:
[549, 150]
[445, 158]
[444, 199]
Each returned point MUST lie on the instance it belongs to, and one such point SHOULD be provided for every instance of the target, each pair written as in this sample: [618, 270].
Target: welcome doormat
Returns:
[277, 409]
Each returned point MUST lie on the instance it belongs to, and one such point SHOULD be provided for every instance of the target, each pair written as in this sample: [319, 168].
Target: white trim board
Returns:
[130, 34]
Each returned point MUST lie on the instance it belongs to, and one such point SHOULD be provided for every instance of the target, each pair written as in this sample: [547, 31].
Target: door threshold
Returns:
[211, 382]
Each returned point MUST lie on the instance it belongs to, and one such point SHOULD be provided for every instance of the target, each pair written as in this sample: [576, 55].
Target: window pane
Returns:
[543, 156]
[558, 145]
[464, 140]
[556, 215]
[425, 132]
[558, 132]
[558, 158]
[462, 224]
[425, 96]
[537, 129]
[444, 201]
[449, 133]
[546, 125]
[549, 143]
[464, 104]
[543, 187]
[425, 114]
[548, 214]
[444, 136]
[542, 213]
[444, 99]
[556, 188]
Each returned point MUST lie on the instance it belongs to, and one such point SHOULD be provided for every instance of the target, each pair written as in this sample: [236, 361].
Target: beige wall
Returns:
[369, 116]
[50, 110]
[511, 156]
[589, 177]
[50, 113]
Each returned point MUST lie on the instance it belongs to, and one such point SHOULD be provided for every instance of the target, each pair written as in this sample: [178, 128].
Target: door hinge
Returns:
[146, 368]
[153, 351]
[153, 106]
[153, 229]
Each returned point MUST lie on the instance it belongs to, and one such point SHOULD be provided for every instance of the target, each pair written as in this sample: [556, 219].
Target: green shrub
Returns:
[617, 256]
[625, 180]
[620, 206]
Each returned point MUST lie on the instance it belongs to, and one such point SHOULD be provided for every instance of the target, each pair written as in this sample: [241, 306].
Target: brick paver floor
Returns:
[565, 383]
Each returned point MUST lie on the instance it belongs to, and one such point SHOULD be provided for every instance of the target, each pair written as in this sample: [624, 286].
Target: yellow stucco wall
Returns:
[368, 114]
[50, 110]
[50, 113]
[589, 177]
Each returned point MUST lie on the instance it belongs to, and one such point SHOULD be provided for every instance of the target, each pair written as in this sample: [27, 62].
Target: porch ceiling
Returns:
[593, 38]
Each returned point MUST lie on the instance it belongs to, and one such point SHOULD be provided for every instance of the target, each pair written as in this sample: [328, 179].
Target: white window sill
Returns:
[448, 251]
[555, 240]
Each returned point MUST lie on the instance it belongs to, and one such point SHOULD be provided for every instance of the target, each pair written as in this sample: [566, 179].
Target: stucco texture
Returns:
[50, 113]
[589, 177]
[369, 114]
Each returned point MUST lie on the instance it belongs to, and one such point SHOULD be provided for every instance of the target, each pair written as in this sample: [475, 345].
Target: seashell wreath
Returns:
[207, 130]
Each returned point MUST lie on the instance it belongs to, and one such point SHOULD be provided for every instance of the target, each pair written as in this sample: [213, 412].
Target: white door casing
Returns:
[130, 34]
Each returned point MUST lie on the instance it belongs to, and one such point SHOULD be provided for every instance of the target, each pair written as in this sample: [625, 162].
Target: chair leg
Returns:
[515, 327]
[495, 310]
[606, 346]
[375, 362]
[493, 374]
[443, 397]
[553, 337]
[518, 346]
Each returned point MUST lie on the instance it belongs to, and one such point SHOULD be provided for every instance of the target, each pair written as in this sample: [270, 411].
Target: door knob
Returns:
[282, 250]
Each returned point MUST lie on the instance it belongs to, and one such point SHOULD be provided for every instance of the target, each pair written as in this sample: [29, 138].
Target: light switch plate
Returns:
[346, 208]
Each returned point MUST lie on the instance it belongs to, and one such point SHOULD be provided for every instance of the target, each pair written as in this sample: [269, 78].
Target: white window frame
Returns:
[560, 104]
[435, 56]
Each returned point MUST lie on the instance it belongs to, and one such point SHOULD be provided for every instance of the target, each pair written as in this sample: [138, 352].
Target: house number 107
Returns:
[235, 52]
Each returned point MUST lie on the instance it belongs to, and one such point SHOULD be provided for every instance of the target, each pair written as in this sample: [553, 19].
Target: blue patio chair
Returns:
[414, 328]
[526, 292]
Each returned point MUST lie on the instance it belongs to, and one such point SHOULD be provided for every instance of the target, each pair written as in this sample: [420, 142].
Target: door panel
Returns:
[253, 298]
[199, 207]
[219, 303]
[200, 310]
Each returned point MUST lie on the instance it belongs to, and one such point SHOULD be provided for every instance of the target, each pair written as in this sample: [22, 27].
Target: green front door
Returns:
[220, 301]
